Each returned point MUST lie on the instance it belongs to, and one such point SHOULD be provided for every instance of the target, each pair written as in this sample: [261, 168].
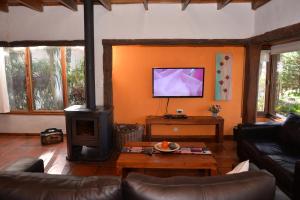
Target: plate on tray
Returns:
[158, 146]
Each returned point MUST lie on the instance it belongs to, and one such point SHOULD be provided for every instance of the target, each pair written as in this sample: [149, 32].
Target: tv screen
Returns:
[177, 82]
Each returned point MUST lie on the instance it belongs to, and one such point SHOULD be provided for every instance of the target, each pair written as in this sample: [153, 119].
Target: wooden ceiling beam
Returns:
[185, 3]
[258, 3]
[71, 4]
[33, 4]
[106, 4]
[223, 3]
[145, 2]
[4, 5]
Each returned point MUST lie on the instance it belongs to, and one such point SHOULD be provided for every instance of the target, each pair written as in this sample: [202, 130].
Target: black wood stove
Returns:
[90, 127]
[89, 133]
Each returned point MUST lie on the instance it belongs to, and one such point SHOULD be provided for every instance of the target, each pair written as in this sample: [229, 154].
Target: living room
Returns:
[106, 54]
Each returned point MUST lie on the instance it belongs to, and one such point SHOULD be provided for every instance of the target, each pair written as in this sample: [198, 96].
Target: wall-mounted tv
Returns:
[177, 82]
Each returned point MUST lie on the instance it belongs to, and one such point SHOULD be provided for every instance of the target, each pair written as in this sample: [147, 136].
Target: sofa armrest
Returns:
[38, 186]
[27, 165]
[258, 131]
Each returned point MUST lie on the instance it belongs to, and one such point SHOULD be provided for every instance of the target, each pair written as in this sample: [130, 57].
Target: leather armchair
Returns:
[263, 145]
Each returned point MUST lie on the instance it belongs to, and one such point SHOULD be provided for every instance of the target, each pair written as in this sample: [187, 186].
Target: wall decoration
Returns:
[223, 76]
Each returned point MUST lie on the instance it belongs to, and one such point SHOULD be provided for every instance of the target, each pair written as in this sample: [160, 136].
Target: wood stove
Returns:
[89, 133]
[89, 128]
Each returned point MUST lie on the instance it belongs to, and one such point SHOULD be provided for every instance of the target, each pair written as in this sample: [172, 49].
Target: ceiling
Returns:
[72, 4]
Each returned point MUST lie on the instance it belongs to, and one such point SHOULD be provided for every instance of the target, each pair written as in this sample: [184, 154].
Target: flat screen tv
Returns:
[177, 82]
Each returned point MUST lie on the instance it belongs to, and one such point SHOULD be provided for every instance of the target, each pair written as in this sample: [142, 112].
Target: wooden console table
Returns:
[191, 120]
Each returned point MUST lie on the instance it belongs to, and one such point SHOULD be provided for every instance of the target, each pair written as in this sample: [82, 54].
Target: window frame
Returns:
[271, 79]
[265, 112]
[29, 87]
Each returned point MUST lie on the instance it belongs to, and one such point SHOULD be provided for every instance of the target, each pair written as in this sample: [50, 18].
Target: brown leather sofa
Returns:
[37, 186]
[15, 184]
[276, 148]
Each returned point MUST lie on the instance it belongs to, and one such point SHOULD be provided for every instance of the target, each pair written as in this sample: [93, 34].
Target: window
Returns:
[287, 87]
[75, 75]
[262, 83]
[279, 84]
[44, 79]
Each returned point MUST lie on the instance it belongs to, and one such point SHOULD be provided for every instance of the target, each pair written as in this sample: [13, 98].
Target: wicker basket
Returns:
[128, 133]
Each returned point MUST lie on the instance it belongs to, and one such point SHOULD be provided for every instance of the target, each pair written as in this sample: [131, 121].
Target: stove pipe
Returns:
[89, 54]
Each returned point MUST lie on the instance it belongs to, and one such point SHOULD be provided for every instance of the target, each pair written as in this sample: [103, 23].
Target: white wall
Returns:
[276, 14]
[198, 21]
[55, 23]
[30, 124]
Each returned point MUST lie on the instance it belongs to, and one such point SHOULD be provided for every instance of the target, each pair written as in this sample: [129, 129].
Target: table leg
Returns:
[148, 132]
[213, 172]
[119, 171]
[219, 132]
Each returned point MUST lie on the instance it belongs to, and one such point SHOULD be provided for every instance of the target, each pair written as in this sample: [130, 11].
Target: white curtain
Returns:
[4, 101]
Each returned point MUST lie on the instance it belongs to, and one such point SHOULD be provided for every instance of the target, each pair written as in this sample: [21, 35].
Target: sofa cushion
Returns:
[242, 186]
[38, 186]
[290, 134]
[269, 148]
[285, 161]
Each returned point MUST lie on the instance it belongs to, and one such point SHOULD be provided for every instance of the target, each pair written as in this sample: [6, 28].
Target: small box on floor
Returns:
[52, 136]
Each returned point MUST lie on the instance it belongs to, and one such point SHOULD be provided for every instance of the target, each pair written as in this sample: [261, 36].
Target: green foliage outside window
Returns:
[76, 85]
[47, 79]
[75, 76]
[288, 84]
[16, 78]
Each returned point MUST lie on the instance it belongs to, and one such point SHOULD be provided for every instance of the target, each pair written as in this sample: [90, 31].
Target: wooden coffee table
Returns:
[166, 160]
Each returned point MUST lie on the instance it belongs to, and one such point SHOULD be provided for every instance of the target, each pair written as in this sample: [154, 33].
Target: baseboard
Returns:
[20, 134]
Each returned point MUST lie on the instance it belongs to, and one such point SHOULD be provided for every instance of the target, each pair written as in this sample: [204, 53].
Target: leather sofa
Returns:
[276, 148]
[37, 186]
[15, 184]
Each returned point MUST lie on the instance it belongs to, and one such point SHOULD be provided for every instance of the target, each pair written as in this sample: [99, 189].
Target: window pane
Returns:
[46, 78]
[262, 86]
[288, 84]
[16, 78]
[75, 75]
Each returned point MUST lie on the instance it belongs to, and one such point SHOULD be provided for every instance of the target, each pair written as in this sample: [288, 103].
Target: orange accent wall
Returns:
[132, 85]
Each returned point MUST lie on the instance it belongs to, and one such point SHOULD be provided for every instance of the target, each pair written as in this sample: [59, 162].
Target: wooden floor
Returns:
[15, 147]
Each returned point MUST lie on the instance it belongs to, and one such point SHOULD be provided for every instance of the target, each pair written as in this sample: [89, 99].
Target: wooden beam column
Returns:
[107, 74]
[251, 82]
[4, 5]
[33, 4]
